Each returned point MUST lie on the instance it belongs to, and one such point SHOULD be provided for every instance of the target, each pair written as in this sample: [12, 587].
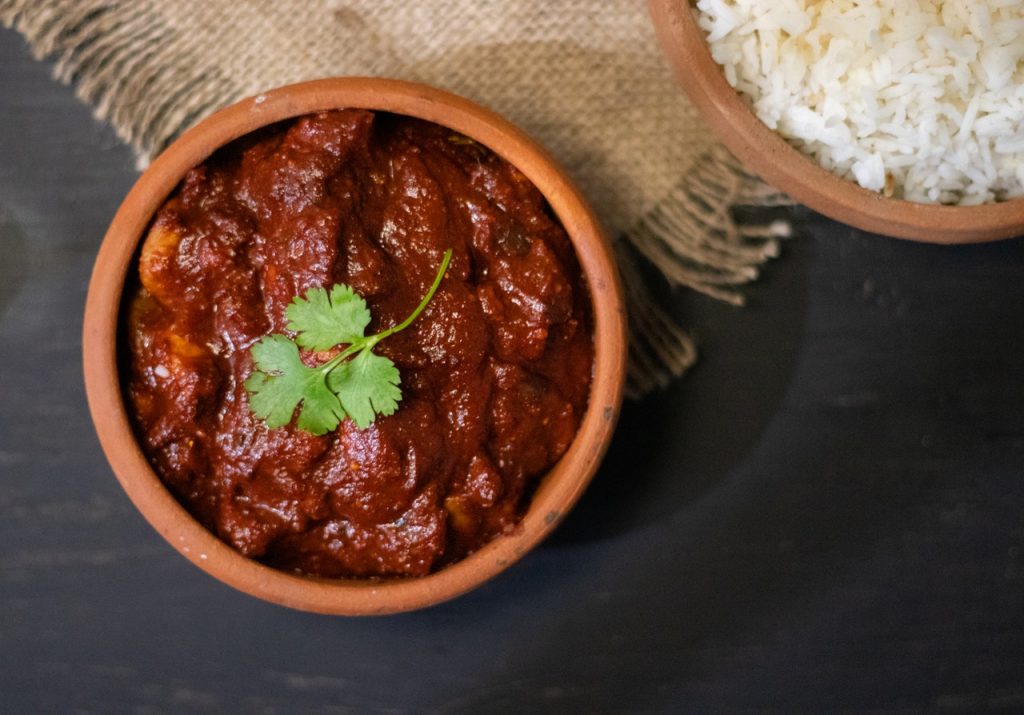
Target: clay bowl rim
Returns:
[767, 154]
[559, 489]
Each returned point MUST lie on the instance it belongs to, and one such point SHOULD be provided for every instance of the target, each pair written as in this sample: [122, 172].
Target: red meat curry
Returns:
[495, 373]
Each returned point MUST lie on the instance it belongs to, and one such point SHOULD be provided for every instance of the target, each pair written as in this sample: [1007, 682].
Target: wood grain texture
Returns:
[826, 514]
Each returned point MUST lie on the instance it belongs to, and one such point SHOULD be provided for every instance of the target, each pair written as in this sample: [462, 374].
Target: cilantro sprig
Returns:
[356, 383]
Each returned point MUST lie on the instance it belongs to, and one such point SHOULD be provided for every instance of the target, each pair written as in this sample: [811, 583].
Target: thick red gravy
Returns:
[495, 373]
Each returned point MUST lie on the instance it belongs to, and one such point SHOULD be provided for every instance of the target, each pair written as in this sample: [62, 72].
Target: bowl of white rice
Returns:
[900, 117]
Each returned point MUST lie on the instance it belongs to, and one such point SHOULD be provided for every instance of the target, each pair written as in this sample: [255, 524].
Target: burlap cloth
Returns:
[584, 77]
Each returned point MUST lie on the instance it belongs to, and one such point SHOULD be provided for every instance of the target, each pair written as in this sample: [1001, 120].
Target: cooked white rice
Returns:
[930, 93]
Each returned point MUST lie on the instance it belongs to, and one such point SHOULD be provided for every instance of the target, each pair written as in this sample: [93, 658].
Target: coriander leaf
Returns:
[354, 383]
[321, 411]
[281, 382]
[367, 385]
[324, 320]
[275, 354]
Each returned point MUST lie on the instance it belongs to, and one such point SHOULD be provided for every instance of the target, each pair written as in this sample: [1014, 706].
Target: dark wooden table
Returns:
[827, 514]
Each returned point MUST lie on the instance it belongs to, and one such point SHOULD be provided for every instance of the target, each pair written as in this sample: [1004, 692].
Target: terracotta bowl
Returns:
[767, 154]
[557, 492]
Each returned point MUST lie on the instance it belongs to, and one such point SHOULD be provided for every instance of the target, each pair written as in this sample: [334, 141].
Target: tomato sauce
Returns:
[495, 373]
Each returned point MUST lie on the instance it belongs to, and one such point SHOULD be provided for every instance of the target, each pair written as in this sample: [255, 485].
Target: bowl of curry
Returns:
[354, 346]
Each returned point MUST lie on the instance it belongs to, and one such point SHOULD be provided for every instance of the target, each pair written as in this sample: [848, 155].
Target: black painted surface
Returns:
[825, 515]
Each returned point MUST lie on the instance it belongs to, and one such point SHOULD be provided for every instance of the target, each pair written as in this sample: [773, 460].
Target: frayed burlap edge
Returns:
[150, 84]
[694, 239]
[135, 72]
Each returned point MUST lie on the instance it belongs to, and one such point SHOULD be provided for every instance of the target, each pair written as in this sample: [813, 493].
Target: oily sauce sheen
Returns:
[495, 373]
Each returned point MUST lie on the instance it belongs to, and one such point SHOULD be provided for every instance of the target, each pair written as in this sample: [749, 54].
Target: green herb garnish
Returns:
[356, 383]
